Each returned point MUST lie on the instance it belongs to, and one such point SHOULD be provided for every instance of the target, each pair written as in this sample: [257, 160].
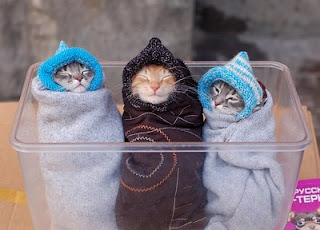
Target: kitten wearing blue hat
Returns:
[71, 69]
[74, 107]
[240, 184]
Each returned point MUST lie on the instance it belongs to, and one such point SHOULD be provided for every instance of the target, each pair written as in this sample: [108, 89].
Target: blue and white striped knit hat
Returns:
[238, 74]
[63, 56]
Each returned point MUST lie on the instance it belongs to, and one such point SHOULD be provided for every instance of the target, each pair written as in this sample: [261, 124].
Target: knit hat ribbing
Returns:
[238, 74]
[63, 56]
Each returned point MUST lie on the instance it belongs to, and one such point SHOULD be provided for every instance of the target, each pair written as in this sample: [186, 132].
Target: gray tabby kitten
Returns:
[225, 99]
[74, 77]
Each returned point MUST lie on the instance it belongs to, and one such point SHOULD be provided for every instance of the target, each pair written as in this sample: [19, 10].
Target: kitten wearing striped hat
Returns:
[225, 99]
[231, 95]
[232, 88]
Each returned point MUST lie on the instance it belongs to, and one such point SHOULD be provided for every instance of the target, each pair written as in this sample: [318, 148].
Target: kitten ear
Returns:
[291, 216]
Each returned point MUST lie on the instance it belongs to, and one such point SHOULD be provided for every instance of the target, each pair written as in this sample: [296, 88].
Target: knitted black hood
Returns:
[158, 54]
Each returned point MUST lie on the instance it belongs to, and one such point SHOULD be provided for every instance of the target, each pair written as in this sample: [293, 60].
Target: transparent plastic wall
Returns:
[292, 135]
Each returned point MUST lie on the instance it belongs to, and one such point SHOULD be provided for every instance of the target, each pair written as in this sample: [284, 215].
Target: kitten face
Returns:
[74, 77]
[226, 99]
[153, 84]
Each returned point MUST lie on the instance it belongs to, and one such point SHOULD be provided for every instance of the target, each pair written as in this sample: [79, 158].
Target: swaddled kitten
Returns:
[225, 99]
[153, 84]
[74, 77]
[161, 190]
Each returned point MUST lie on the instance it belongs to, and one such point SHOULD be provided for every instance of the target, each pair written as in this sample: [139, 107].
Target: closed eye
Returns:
[63, 76]
[216, 90]
[166, 77]
[87, 73]
[232, 98]
[143, 77]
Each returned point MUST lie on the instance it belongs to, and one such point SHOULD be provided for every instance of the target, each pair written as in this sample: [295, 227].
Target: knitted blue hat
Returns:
[63, 56]
[238, 74]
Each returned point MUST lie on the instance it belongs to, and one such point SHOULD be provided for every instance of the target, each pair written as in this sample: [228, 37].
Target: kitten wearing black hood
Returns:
[161, 190]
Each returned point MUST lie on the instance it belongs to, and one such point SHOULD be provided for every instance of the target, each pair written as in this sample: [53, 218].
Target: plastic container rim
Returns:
[21, 146]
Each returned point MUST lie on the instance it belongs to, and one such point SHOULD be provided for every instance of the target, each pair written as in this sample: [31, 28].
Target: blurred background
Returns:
[286, 31]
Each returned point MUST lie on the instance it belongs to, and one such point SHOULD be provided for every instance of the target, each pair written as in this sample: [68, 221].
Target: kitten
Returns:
[74, 77]
[161, 190]
[153, 84]
[225, 99]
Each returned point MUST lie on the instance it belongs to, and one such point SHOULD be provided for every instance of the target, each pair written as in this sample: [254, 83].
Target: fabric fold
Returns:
[245, 188]
[80, 187]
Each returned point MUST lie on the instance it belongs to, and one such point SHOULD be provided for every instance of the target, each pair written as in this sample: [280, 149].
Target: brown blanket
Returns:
[162, 190]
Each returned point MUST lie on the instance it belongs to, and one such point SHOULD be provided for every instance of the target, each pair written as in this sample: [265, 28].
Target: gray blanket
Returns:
[245, 189]
[81, 188]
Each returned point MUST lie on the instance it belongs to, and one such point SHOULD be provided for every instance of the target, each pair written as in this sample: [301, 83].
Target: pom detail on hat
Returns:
[238, 74]
[62, 47]
[63, 56]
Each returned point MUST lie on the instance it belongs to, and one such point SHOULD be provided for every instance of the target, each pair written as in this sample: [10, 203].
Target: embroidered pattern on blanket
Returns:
[174, 156]
[166, 172]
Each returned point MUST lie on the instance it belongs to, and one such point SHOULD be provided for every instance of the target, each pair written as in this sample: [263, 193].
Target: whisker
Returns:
[181, 79]
[174, 99]
[186, 91]
[129, 96]
[190, 84]
[180, 98]
[189, 88]
[179, 67]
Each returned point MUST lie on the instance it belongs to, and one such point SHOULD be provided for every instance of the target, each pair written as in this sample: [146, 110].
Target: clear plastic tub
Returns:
[292, 135]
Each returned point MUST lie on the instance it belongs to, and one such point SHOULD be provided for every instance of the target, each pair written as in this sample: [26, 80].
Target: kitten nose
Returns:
[79, 77]
[155, 88]
[217, 103]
